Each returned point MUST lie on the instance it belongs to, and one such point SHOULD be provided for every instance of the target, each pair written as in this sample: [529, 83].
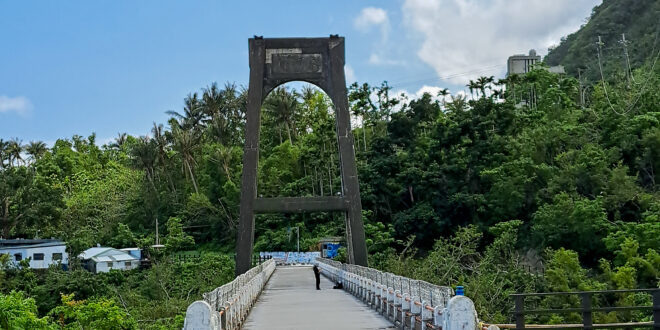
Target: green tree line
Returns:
[491, 191]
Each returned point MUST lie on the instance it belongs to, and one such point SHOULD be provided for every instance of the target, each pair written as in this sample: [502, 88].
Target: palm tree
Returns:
[308, 93]
[483, 84]
[497, 94]
[187, 142]
[192, 113]
[14, 149]
[282, 105]
[223, 155]
[457, 104]
[144, 154]
[119, 141]
[472, 86]
[511, 82]
[222, 110]
[234, 111]
[211, 103]
[161, 143]
[362, 106]
[36, 150]
[443, 94]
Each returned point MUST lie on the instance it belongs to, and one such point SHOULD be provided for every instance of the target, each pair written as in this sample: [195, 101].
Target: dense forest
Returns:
[521, 187]
[579, 51]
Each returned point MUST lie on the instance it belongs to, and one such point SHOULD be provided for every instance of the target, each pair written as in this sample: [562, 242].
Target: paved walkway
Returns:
[290, 301]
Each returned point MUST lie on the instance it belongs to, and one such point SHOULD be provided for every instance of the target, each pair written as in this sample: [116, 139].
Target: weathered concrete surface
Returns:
[319, 61]
[290, 301]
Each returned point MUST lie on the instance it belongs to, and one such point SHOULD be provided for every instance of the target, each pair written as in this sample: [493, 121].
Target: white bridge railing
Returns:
[227, 307]
[410, 304]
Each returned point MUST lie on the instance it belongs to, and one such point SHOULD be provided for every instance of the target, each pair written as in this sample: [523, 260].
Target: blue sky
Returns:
[77, 67]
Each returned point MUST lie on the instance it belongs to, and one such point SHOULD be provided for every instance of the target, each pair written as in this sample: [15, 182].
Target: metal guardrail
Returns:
[408, 303]
[586, 310]
[227, 307]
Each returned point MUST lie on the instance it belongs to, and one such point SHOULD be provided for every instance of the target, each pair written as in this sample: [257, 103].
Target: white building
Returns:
[521, 63]
[42, 252]
[103, 259]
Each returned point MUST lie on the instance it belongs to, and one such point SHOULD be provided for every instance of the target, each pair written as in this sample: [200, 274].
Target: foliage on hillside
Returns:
[155, 298]
[639, 20]
[487, 192]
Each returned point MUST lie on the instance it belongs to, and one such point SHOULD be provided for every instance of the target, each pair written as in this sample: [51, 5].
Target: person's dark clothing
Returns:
[317, 274]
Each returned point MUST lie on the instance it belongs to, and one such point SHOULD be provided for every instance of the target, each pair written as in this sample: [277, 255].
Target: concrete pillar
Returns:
[200, 316]
[461, 314]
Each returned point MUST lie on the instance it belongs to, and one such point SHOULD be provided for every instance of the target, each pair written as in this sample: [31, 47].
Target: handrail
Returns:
[579, 292]
[227, 306]
[406, 302]
[586, 309]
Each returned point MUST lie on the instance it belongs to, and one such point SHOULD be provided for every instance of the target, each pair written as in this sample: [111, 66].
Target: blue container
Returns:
[460, 291]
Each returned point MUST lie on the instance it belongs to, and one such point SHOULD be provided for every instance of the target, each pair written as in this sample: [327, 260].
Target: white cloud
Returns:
[460, 35]
[431, 90]
[371, 16]
[376, 59]
[350, 74]
[21, 105]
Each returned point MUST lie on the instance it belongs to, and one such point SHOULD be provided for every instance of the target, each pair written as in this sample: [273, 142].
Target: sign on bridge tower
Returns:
[319, 61]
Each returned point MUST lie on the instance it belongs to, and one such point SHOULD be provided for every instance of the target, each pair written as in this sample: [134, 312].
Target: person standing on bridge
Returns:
[317, 275]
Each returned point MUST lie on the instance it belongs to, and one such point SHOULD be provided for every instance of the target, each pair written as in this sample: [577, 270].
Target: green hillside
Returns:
[637, 19]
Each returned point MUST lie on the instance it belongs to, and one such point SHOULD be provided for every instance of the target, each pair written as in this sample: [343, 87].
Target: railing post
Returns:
[425, 315]
[223, 318]
[405, 307]
[656, 309]
[520, 312]
[397, 303]
[438, 316]
[586, 311]
[414, 311]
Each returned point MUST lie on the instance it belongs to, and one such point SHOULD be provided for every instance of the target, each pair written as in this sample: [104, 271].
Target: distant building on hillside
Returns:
[521, 64]
[42, 252]
[103, 259]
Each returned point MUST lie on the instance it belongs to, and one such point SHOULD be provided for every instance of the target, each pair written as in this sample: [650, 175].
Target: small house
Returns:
[329, 246]
[42, 253]
[104, 259]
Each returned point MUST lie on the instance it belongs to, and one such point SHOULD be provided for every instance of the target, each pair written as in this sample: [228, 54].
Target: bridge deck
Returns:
[290, 301]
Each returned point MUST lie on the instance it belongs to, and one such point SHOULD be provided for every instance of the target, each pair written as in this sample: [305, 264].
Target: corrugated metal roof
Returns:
[106, 254]
[29, 246]
[22, 241]
[92, 252]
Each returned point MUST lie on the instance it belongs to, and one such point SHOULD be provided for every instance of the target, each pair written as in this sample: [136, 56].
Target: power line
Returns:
[648, 76]
[433, 79]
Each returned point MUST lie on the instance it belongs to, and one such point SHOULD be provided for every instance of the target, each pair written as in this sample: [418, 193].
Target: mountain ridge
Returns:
[639, 20]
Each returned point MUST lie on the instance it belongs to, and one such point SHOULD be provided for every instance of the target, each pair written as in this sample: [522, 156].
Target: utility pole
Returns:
[157, 238]
[624, 43]
[298, 236]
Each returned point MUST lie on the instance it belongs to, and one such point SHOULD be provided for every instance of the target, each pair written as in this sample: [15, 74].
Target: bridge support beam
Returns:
[319, 61]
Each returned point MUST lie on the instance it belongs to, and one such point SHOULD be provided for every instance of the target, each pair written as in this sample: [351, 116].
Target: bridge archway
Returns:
[318, 61]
